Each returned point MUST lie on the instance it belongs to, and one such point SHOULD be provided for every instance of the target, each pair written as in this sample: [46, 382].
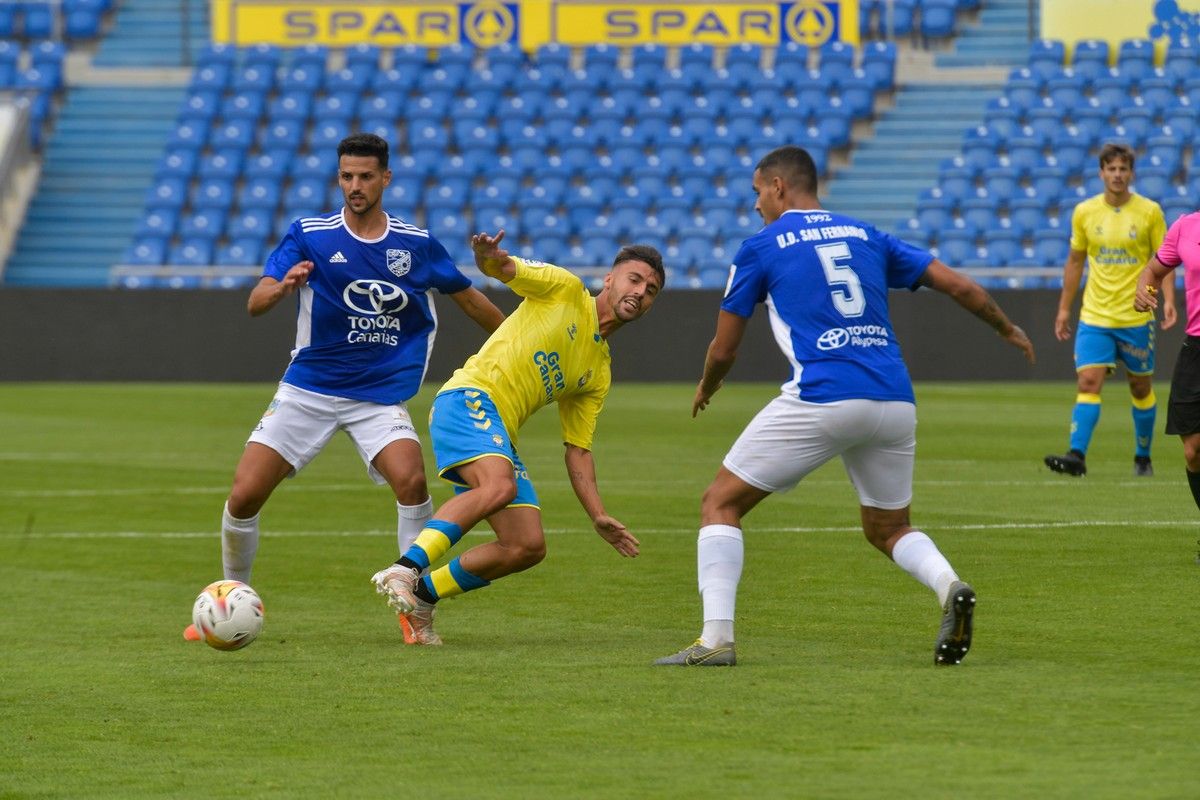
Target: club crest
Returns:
[399, 262]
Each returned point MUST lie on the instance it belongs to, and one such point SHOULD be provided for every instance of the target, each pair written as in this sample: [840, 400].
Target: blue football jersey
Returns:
[824, 278]
[366, 322]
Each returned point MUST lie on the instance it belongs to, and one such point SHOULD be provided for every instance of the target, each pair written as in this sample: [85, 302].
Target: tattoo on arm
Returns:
[990, 313]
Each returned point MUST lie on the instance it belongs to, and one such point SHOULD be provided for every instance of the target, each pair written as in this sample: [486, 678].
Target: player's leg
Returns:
[1095, 358]
[784, 442]
[1136, 351]
[881, 470]
[388, 444]
[1183, 411]
[295, 427]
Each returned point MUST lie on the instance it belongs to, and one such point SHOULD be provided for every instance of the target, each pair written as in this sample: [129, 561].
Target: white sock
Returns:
[719, 555]
[916, 554]
[239, 543]
[410, 521]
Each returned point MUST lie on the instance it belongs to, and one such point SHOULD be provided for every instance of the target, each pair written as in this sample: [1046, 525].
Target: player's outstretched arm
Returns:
[491, 258]
[582, 472]
[267, 294]
[722, 352]
[974, 298]
[478, 307]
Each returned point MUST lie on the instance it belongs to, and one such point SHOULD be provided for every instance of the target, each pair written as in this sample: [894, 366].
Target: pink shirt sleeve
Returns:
[1168, 252]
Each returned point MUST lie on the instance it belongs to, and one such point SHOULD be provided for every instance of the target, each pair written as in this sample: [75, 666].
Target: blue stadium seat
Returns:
[912, 231]
[240, 252]
[1175, 207]
[302, 78]
[1112, 90]
[1026, 215]
[935, 210]
[601, 56]
[955, 245]
[167, 193]
[146, 252]
[1066, 90]
[1047, 56]
[879, 64]
[321, 164]
[1002, 181]
[243, 105]
[696, 57]
[1051, 245]
[265, 56]
[392, 82]
[310, 55]
[938, 19]
[222, 164]
[1183, 59]
[290, 106]
[177, 164]
[1024, 88]
[38, 20]
[281, 135]
[1158, 93]
[304, 197]
[253, 79]
[214, 193]
[206, 223]
[1138, 121]
[268, 165]
[902, 18]
[158, 223]
[234, 134]
[191, 253]
[1091, 58]
[338, 106]
[1151, 182]
[982, 211]
[1165, 151]
[259, 193]
[1135, 58]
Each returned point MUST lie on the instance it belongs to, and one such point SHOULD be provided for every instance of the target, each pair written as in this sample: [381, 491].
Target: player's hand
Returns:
[297, 276]
[703, 398]
[616, 534]
[1146, 299]
[1062, 325]
[1018, 339]
[1170, 316]
[485, 245]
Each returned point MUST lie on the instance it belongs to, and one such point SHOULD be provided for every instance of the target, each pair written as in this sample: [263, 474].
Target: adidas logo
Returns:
[337, 258]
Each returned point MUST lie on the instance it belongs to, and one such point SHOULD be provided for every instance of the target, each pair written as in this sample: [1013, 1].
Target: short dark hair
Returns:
[1113, 150]
[794, 165]
[643, 252]
[365, 144]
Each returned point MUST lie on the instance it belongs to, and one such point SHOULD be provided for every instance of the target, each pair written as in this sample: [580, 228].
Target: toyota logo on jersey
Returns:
[833, 338]
[374, 297]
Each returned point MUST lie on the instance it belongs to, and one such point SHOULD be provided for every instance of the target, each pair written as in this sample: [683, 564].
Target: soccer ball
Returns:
[228, 615]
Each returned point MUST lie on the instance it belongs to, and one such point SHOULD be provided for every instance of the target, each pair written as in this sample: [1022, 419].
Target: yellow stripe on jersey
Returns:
[1118, 241]
[548, 350]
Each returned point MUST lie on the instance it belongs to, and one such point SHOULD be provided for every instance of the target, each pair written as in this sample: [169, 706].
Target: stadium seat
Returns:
[1175, 207]
[1091, 58]
[168, 193]
[935, 210]
[281, 136]
[158, 223]
[1047, 57]
[268, 165]
[191, 253]
[1026, 215]
[1066, 90]
[1183, 59]
[259, 193]
[38, 22]
[901, 20]
[1050, 246]
[1112, 90]
[955, 245]
[177, 164]
[146, 252]
[320, 164]
[981, 211]
[879, 64]
[1135, 58]
[302, 78]
[938, 19]
[239, 252]
[222, 164]
[696, 57]
[216, 193]
[207, 223]
[258, 79]
[1151, 182]
[1024, 88]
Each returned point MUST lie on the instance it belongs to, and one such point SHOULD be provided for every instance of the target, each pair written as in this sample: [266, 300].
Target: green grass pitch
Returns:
[1082, 682]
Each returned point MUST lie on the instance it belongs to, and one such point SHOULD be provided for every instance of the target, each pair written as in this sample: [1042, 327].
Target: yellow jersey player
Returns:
[1116, 233]
[552, 349]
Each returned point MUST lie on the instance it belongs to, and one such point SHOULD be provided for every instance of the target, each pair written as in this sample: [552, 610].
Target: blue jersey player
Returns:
[824, 278]
[365, 326]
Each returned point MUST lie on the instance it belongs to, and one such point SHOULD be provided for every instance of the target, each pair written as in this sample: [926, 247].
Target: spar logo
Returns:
[374, 297]
[855, 336]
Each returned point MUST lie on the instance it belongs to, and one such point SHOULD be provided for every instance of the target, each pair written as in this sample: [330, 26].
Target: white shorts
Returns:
[790, 438]
[299, 423]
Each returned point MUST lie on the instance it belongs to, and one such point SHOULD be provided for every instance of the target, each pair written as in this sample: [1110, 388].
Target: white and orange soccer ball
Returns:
[228, 615]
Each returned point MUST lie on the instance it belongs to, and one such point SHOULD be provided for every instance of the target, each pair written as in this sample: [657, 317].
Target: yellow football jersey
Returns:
[548, 350]
[1118, 242]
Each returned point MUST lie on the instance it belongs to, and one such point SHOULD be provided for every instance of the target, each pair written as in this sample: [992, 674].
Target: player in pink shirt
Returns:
[1181, 246]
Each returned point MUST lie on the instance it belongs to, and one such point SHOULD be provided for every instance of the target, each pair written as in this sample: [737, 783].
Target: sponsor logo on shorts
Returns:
[497, 440]
[854, 336]
[272, 408]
